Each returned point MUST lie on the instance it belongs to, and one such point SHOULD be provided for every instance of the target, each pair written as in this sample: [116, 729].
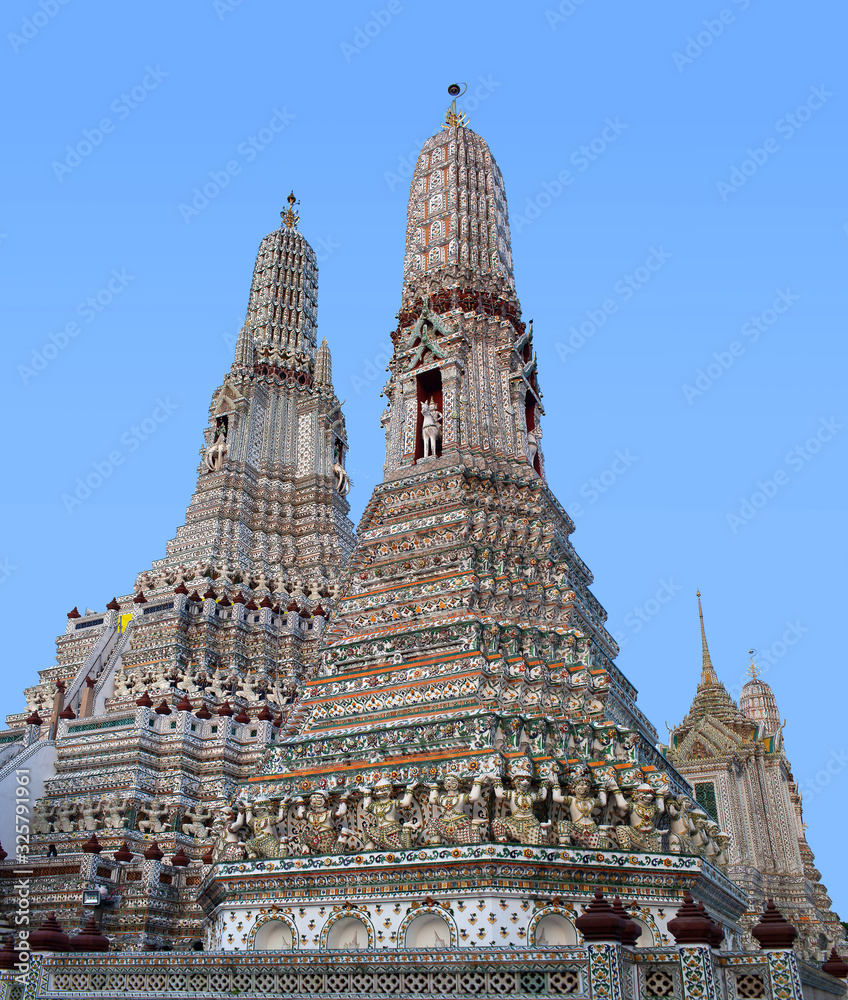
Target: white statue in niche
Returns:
[533, 438]
[215, 453]
[430, 430]
[341, 479]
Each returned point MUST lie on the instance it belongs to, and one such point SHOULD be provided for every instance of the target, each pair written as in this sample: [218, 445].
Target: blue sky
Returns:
[675, 177]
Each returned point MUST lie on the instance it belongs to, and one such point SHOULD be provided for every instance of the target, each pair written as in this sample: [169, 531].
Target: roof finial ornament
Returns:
[708, 675]
[753, 670]
[290, 217]
[453, 116]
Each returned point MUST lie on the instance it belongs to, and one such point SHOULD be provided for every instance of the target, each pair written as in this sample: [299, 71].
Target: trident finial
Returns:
[453, 116]
[290, 217]
[708, 674]
[753, 670]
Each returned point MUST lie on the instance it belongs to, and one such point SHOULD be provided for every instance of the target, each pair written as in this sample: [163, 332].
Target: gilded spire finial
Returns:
[753, 670]
[454, 117]
[708, 674]
[290, 217]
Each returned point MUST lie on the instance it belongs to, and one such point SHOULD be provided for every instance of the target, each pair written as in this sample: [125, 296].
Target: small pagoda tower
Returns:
[734, 757]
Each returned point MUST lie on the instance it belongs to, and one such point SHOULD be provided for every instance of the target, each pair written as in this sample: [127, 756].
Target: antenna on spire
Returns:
[290, 217]
[708, 674]
[453, 116]
[753, 670]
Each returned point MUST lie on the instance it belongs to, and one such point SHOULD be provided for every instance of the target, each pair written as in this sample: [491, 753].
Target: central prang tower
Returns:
[466, 700]
[465, 599]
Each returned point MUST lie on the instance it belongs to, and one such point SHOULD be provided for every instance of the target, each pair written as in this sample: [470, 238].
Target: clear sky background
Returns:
[709, 195]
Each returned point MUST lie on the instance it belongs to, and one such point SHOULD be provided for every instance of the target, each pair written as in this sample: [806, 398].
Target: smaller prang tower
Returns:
[734, 757]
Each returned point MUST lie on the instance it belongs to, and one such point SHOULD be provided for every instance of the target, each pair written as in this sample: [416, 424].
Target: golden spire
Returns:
[454, 117]
[708, 675]
[290, 218]
[753, 670]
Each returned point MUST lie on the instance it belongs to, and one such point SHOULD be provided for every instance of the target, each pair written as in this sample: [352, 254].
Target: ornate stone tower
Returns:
[160, 705]
[269, 510]
[465, 598]
[467, 693]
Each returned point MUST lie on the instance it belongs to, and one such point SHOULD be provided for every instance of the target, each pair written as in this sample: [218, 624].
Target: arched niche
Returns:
[273, 935]
[646, 938]
[348, 933]
[554, 931]
[429, 930]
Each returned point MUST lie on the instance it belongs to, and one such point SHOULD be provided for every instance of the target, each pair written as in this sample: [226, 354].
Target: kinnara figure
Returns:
[453, 825]
[682, 826]
[382, 827]
[430, 429]
[228, 831]
[521, 825]
[264, 843]
[643, 812]
[581, 828]
[319, 835]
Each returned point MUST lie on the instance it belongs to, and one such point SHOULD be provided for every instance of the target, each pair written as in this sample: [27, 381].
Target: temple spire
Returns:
[708, 674]
[290, 217]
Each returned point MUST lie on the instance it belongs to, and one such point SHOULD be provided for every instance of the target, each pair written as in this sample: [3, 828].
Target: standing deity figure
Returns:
[341, 479]
[722, 856]
[319, 834]
[430, 429]
[521, 825]
[89, 812]
[581, 828]
[681, 826]
[643, 811]
[261, 818]
[383, 829]
[215, 453]
[44, 818]
[113, 813]
[195, 822]
[65, 817]
[157, 817]
[228, 831]
[453, 825]
[533, 438]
